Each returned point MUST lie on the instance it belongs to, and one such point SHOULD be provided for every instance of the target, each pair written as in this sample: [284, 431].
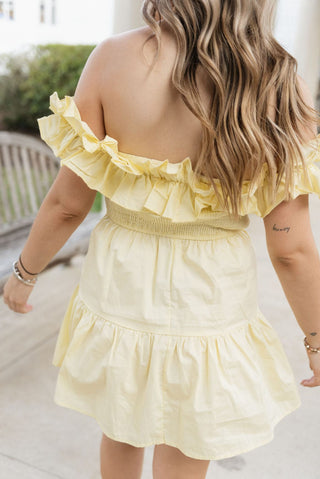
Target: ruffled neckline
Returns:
[168, 189]
[68, 108]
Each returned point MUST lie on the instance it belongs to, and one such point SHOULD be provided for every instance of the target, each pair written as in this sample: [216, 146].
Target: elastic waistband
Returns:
[158, 225]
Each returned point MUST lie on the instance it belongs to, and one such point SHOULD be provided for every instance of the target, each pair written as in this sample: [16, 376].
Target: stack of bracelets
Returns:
[18, 275]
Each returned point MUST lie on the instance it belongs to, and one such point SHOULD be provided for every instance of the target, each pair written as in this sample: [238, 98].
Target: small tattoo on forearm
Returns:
[313, 334]
[287, 228]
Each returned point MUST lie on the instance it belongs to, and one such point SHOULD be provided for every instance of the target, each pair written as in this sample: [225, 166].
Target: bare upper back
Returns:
[120, 95]
[142, 109]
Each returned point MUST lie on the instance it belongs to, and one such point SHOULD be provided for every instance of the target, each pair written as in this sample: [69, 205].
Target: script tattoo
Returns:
[287, 228]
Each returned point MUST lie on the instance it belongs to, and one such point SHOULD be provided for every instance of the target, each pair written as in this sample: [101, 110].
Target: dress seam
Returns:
[239, 325]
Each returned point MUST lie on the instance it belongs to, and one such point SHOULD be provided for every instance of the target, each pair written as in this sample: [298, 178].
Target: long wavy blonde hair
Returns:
[232, 41]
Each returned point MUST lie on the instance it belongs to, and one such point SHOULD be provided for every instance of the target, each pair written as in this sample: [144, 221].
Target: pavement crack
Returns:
[20, 461]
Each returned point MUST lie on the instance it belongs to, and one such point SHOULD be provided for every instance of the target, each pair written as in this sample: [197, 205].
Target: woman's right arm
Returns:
[295, 258]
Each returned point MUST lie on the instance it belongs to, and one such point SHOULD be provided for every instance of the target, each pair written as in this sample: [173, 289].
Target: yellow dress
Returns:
[163, 340]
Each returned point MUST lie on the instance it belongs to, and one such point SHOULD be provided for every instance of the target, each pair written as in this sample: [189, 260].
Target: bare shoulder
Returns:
[110, 60]
[121, 46]
[131, 48]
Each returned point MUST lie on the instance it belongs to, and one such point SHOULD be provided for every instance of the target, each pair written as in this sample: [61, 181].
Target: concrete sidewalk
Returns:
[40, 440]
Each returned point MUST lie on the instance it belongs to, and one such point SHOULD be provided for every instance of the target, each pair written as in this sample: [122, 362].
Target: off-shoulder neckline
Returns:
[174, 167]
[187, 159]
[179, 164]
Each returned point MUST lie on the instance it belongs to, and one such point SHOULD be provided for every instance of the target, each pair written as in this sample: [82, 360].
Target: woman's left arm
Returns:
[67, 202]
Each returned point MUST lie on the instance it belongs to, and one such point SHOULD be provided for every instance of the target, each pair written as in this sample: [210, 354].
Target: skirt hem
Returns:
[233, 451]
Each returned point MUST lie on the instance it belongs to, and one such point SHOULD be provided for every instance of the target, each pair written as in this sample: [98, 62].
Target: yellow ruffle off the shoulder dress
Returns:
[163, 340]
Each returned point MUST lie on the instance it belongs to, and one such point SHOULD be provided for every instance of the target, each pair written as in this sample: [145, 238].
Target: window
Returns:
[7, 10]
[42, 12]
[11, 11]
[48, 12]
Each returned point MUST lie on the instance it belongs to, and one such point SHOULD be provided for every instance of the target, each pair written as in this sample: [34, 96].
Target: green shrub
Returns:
[98, 201]
[29, 79]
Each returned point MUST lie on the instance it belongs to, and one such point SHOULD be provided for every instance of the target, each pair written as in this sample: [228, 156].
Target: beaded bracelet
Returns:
[309, 348]
[17, 273]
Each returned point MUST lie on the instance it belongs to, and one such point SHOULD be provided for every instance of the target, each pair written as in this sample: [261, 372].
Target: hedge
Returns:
[29, 79]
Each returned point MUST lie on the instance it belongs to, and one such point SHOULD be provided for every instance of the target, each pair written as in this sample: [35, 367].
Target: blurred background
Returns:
[44, 45]
[27, 23]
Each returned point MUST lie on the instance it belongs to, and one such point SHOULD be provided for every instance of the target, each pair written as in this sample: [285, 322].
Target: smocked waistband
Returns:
[158, 225]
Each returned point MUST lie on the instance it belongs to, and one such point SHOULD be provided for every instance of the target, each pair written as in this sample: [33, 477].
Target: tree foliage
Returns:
[27, 80]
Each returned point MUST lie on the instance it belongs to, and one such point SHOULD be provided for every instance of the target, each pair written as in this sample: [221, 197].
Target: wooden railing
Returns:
[27, 170]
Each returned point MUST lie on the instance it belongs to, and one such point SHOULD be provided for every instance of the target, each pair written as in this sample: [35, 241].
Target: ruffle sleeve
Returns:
[260, 202]
[167, 189]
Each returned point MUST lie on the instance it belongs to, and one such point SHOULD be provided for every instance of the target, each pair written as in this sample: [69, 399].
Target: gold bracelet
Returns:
[309, 348]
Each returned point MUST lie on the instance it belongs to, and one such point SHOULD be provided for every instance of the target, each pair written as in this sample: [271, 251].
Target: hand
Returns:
[314, 363]
[16, 294]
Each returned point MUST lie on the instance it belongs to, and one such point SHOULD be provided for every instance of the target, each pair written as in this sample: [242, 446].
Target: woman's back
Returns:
[163, 340]
[142, 109]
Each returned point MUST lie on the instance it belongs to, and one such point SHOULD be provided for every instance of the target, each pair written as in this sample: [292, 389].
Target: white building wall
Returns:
[89, 22]
[298, 31]
[127, 15]
[76, 22]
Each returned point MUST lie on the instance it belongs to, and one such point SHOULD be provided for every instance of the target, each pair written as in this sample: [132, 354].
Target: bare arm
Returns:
[55, 222]
[69, 199]
[296, 260]
[67, 202]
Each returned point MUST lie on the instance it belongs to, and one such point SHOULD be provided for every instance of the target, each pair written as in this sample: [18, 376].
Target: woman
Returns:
[163, 341]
